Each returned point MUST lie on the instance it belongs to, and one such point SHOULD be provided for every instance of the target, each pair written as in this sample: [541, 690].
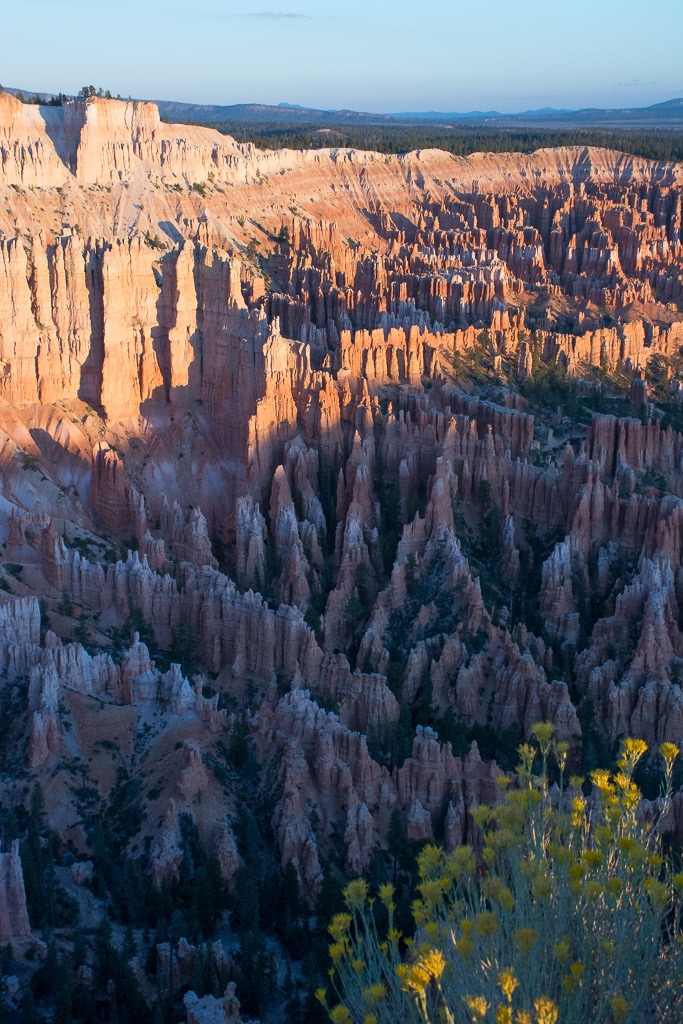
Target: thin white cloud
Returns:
[636, 83]
[279, 16]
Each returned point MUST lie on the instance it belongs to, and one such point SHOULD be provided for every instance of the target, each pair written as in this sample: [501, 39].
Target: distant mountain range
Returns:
[660, 115]
[668, 114]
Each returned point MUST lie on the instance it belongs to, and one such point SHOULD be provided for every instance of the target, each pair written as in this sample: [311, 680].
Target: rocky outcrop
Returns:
[166, 854]
[328, 767]
[14, 923]
[210, 1010]
[19, 636]
[176, 963]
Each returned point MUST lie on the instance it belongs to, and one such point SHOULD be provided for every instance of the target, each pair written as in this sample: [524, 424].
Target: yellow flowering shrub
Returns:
[566, 913]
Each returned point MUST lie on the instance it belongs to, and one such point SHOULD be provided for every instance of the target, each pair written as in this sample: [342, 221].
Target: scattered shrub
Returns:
[565, 911]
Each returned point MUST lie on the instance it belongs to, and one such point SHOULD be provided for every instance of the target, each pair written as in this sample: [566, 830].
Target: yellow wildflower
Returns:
[503, 839]
[375, 994]
[562, 950]
[340, 1015]
[560, 854]
[525, 939]
[657, 891]
[355, 894]
[429, 862]
[593, 891]
[542, 887]
[495, 889]
[523, 1017]
[369, 1018]
[337, 950]
[592, 858]
[633, 747]
[631, 752]
[477, 1006]
[339, 926]
[602, 781]
[619, 1008]
[526, 756]
[431, 891]
[604, 835]
[464, 946]
[433, 963]
[578, 806]
[546, 1011]
[507, 982]
[486, 924]
[543, 734]
[481, 814]
[504, 1015]
[412, 977]
[417, 976]
[669, 752]
[560, 751]
[461, 861]
[321, 996]
[528, 869]
[386, 895]
[420, 912]
[637, 854]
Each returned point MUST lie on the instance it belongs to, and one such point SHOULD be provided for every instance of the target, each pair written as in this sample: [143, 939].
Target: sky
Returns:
[376, 55]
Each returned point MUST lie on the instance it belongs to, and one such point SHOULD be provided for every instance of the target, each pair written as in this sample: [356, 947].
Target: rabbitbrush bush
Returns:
[569, 913]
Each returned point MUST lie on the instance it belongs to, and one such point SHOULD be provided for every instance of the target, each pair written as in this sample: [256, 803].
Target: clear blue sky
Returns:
[379, 55]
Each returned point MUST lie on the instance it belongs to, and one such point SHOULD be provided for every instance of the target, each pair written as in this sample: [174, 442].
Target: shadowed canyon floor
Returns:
[325, 475]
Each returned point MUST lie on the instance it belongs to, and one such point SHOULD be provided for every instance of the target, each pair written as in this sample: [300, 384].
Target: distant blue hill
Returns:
[666, 115]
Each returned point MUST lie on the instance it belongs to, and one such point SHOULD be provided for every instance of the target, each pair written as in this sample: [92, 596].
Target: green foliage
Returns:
[256, 973]
[153, 241]
[459, 139]
[240, 749]
[46, 902]
[183, 649]
[87, 91]
[122, 638]
[390, 508]
[30, 461]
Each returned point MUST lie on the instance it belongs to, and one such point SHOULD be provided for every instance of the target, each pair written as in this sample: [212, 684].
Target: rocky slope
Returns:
[353, 460]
